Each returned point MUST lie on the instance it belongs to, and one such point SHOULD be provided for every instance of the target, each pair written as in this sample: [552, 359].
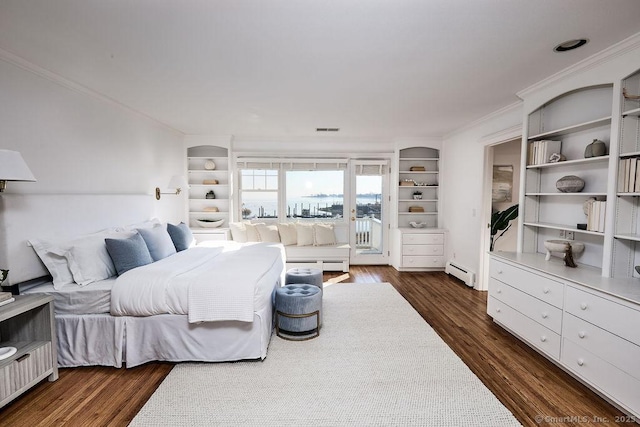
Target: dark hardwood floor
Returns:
[526, 383]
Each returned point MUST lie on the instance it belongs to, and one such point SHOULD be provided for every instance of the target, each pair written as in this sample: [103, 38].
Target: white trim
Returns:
[483, 119]
[606, 55]
[506, 135]
[20, 62]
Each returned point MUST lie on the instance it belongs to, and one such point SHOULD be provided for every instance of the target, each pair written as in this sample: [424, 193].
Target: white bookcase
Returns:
[418, 249]
[425, 182]
[203, 180]
[575, 119]
[626, 244]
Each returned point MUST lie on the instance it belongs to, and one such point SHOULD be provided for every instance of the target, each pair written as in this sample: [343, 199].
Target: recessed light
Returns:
[570, 45]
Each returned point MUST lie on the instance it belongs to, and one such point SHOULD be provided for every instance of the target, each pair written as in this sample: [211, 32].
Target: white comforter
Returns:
[206, 283]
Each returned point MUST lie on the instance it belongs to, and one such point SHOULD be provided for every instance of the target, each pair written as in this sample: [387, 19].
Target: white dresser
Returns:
[587, 324]
[419, 249]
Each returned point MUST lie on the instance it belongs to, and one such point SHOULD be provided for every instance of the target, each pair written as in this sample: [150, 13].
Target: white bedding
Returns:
[225, 281]
[71, 298]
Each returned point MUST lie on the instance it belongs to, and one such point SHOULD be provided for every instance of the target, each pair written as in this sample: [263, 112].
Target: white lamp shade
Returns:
[178, 181]
[13, 167]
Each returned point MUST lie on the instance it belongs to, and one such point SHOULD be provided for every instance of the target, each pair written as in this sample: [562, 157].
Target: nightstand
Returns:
[27, 324]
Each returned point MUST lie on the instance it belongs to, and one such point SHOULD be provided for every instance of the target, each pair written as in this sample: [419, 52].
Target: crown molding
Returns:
[606, 55]
[497, 113]
[514, 132]
[22, 63]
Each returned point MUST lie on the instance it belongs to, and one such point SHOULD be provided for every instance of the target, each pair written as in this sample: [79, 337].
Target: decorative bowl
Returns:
[559, 246]
[418, 224]
[210, 223]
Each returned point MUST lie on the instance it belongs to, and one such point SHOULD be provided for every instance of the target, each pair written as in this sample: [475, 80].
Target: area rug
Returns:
[376, 362]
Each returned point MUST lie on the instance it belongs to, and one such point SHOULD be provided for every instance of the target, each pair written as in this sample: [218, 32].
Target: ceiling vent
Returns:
[327, 129]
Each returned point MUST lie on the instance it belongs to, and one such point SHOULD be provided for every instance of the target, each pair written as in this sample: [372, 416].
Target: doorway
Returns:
[368, 212]
[502, 149]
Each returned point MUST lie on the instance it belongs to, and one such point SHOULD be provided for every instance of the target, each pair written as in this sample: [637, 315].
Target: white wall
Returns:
[77, 143]
[462, 185]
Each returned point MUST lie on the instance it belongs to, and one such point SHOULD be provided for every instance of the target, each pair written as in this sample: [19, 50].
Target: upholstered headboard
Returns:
[50, 216]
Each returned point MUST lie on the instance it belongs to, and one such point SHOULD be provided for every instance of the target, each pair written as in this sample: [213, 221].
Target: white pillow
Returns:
[304, 234]
[252, 232]
[268, 233]
[323, 234]
[56, 264]
[89, 260]
[238, 232]
[288, 234]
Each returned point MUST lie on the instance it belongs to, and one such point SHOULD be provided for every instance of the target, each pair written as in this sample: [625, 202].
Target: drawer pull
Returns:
[545, 290]
[583, 306]
[580, 362]
[499, 271]
[545, 315]
[543, 338]
[23, 357]
[582, 334]
[499, 291]
[497, 310]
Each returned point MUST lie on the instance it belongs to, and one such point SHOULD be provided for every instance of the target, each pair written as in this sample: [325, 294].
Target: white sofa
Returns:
[325, 251]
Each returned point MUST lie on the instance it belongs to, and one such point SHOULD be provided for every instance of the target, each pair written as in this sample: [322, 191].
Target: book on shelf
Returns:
[7, 301]
[629, 175]
[540, 151]
[596, 216]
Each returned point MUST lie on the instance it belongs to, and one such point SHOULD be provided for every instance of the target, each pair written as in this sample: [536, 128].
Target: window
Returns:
[315, 194]
[259, 193]
[291, 188]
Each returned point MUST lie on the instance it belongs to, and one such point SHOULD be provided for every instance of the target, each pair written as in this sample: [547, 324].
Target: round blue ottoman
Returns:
[298, 311]
[312, 276]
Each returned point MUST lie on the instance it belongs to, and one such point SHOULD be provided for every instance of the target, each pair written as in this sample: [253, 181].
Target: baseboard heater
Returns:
[460, 272]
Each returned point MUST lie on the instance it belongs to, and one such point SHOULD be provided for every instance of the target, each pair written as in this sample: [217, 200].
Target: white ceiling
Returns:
[373, 68]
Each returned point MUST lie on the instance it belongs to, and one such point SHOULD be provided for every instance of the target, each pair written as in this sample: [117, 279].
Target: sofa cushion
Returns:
[288, 234]
[268, 233]
[323, 234]
[304, 234]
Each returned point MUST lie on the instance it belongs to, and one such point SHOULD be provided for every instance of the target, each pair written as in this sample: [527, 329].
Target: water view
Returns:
[313, 206]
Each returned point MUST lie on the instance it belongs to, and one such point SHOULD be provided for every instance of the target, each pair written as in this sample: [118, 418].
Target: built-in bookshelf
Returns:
[557, 145]
[626, 249]
[208, 176]
[418, 186]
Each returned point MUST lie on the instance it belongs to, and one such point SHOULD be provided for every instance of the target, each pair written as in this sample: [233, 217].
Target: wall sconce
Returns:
[177, 183]
[13, 168]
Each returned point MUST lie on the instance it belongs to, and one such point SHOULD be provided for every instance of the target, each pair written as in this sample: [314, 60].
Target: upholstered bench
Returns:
[298, 311]
[311, 276]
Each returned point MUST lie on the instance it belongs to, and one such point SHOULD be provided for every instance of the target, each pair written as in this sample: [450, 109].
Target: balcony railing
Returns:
[368, 233]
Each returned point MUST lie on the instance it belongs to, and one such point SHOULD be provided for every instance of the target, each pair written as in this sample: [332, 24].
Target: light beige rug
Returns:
[376, 362]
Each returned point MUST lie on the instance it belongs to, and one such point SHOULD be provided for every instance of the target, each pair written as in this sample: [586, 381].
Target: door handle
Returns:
[353, 218]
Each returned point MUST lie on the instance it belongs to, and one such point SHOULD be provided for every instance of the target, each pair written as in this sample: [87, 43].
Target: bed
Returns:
[195, 305]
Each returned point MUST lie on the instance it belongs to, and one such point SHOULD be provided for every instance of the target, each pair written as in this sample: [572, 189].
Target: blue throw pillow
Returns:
[128, 253]
[158, 241]
[181, 236]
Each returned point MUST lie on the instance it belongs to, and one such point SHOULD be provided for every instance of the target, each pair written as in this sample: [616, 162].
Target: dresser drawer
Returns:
[539, 311]
[423, 261]
[615, 350]
[432, 250]
[18, 375]
[422, 239]
[537, 335]
[610, 316]
[615, 383]
[541, 287]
